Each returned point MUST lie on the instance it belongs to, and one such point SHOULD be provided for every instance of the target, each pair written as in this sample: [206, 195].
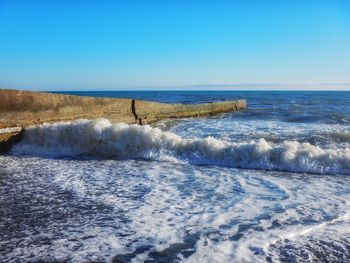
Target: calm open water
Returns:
[267, 184]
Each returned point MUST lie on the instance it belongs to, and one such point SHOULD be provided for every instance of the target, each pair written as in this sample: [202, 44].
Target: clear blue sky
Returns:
[120, 44]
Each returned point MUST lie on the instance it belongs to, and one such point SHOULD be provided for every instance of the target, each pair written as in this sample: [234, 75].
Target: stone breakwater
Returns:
[20, 109]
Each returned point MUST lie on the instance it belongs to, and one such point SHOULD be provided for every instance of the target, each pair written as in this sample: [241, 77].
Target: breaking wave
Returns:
[101, 139]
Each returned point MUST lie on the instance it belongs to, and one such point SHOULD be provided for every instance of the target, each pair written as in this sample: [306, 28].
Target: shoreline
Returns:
[20, 109]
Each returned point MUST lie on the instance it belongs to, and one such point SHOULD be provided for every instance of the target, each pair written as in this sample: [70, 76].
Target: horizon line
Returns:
[225, 86]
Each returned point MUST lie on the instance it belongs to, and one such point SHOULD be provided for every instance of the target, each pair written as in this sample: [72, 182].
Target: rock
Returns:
[26, 108]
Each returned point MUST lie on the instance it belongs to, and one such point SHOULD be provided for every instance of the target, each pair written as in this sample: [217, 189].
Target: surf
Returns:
[103, 139]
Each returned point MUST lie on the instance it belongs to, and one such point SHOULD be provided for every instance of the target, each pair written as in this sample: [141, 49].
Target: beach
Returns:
[266, 184]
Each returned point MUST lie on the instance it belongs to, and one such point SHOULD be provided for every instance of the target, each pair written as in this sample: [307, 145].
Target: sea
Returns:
[270, 183]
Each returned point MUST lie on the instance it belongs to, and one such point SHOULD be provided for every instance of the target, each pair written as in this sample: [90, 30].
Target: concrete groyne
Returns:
[20, 109]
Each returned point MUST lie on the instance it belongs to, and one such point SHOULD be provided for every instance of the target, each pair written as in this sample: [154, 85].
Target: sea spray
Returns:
[102, 139]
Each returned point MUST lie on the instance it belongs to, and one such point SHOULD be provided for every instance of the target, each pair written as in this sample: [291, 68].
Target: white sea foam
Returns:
[101, 139]
[10, 130]
[99, 210]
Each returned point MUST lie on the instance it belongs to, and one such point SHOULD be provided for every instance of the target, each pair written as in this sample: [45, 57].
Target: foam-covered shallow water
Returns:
[240, 187]
[100, 210]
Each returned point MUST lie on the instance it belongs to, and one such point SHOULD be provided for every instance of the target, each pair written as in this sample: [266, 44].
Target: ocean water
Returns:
[267, 184]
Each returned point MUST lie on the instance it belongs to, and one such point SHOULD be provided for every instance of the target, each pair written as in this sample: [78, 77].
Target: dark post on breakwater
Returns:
[20, 109]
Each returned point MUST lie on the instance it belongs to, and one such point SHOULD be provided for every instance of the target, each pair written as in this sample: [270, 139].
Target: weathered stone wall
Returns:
[24, 108]
[20, 109]
[147, 111]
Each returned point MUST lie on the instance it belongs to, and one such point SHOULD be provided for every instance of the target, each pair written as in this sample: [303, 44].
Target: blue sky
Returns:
[47, 45]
